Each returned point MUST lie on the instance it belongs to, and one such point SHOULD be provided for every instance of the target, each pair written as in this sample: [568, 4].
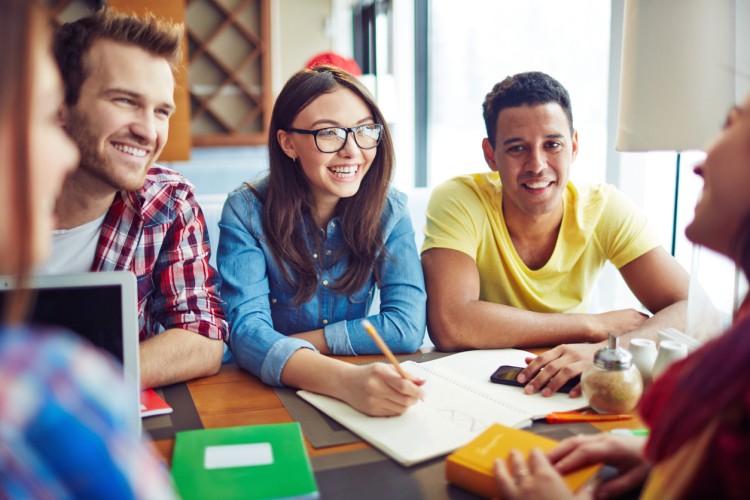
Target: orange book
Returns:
[472, 466]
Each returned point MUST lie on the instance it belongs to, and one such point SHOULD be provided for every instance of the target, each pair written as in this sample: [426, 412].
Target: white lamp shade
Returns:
[677, 75]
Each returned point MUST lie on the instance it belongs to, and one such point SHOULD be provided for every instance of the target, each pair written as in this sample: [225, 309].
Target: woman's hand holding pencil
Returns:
[382, 390]
[379, 391]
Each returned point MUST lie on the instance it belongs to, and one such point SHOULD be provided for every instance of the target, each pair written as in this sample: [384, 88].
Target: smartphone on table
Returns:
[507, 375]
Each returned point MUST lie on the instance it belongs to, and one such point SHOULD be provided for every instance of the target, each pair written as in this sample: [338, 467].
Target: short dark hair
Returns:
[524, 89]
[73, 41]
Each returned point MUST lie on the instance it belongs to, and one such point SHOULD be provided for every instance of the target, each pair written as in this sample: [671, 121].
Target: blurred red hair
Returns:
[332, 59]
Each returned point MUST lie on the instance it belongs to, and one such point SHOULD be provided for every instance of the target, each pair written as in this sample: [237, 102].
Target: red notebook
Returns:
[152, 404]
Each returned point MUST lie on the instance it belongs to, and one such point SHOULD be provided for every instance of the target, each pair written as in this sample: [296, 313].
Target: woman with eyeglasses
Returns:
[302, 251]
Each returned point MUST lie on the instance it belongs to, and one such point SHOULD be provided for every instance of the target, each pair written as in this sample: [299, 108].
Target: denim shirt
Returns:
[259, 303]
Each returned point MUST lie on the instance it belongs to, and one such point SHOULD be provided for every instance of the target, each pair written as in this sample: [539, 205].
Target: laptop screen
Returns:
[101, 307]
[94, 312]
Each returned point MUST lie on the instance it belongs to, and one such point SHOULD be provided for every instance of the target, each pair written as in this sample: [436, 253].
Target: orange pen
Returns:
[575, 416]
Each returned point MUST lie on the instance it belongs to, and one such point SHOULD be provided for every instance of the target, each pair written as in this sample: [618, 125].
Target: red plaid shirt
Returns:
[159, 233]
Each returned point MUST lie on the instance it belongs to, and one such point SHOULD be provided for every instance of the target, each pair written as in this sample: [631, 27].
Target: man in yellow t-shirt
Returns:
[511, 256]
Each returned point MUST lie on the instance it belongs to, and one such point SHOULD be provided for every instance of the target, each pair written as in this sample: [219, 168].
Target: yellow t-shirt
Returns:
[599, 224]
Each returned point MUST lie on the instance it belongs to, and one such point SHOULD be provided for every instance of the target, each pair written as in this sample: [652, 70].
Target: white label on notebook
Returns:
[237, 455]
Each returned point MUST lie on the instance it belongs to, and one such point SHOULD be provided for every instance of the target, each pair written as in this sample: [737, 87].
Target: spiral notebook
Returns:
[460, 402]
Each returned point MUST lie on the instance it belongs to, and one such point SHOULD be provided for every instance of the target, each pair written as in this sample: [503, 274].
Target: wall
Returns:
[299, 30]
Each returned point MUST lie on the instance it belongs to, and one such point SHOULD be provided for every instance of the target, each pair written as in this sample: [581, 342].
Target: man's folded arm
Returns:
[458, 320]
[177, 355]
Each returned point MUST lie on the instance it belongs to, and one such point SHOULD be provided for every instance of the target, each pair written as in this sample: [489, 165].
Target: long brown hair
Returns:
[289, 207]
[22, 23]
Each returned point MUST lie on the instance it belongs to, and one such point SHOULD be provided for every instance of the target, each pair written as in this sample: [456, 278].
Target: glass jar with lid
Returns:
[612, 384]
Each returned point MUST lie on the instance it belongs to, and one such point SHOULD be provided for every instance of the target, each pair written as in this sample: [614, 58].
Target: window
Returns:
[470, 49]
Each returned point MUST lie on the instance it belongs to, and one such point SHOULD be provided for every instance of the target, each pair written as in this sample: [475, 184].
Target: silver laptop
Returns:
[101, 307]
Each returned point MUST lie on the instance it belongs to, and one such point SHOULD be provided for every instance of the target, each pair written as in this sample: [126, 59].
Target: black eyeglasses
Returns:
[333, 139]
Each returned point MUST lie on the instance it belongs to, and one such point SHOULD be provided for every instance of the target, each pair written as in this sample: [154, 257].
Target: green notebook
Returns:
[254, 461]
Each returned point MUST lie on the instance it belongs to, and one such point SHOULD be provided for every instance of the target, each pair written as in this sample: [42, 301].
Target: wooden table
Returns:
[234, 397]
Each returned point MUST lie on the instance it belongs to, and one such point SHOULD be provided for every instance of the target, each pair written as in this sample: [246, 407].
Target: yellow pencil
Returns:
[384, 349]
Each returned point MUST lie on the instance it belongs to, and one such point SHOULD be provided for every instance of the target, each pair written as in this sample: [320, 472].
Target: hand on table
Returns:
[378, 390]
[536, 480]
[541, 477]
[551, 369]
[625, 453]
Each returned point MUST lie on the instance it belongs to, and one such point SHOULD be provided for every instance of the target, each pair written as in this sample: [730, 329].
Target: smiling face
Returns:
[724, 205]
[330, 176]
[533, 152]
[121, 119]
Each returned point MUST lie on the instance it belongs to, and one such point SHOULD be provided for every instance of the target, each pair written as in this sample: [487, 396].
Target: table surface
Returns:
[234, 397]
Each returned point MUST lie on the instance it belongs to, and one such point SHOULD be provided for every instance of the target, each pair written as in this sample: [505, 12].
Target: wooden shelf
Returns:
[229, 57]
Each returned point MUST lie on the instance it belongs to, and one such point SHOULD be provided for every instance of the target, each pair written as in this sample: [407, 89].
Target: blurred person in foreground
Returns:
[698, 410]
[61, 407]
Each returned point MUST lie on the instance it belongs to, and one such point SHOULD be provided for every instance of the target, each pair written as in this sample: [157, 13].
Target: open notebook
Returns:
[460, 402]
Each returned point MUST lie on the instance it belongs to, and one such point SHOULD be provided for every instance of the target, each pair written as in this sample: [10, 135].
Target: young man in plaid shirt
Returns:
[120, 211]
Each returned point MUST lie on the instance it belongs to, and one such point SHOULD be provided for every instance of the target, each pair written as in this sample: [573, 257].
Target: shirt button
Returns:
[333, 224]
[273, 301]
[328, 252]
[325, 321]
[315, 256]
[325, 282]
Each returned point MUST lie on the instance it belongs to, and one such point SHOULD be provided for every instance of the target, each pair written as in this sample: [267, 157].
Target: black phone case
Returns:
[566, 388]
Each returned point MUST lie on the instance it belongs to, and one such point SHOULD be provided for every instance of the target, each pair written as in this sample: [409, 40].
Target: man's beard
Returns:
[94, 162]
